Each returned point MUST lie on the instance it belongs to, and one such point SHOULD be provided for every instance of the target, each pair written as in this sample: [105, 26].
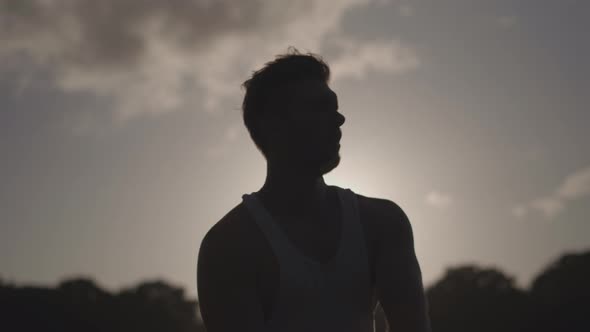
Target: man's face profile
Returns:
[309, 130]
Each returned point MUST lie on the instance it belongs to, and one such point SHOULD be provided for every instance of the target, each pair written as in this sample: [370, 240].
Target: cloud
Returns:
[153, 57]
[438, 199]
[574, 186]
[406, 10]
[507, 21]
[383, 56]
[549, 206]
[519, 211]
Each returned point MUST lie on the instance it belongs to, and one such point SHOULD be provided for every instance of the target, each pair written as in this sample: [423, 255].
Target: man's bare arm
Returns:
[226, 283]
[398, 275]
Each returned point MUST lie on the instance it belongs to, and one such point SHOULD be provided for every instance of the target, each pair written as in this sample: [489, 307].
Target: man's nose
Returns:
[341, 119]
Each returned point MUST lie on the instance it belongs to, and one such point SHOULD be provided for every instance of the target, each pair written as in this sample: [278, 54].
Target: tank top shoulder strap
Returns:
[274, 235]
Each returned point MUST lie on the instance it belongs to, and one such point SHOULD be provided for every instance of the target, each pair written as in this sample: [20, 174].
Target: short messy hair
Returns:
[267, 85]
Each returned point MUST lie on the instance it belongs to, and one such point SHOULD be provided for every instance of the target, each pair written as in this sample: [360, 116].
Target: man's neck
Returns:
[293, 194]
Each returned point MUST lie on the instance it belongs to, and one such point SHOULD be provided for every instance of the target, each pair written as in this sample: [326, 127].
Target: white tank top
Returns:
[316, 297]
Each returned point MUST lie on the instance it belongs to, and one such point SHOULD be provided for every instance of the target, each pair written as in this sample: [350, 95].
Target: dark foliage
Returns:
[79, 305]
[466, 298]
[469, 298]
[561, 295]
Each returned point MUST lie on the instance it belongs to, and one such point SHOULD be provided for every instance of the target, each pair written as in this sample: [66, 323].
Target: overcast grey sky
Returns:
[122, 142]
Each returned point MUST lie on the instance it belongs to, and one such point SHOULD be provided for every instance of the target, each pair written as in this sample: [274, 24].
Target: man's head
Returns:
[292, 114]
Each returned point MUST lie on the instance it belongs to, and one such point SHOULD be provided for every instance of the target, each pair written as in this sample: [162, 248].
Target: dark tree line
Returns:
[79, 305]
[471, 298]
[467, 298]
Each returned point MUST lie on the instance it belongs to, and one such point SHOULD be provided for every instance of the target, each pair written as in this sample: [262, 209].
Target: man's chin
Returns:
[330, 165]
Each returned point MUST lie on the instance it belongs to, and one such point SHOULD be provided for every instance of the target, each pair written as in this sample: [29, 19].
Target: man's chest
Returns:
[318, 241]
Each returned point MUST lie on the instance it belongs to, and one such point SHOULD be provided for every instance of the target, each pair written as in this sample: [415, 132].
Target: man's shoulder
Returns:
[378, 207]
[231, 232]
[232, 220]
[383, 214]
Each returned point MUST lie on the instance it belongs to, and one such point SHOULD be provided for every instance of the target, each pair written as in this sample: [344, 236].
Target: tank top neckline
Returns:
[296, 250]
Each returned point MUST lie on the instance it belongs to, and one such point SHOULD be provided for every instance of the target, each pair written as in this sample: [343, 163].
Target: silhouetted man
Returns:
[298, 254]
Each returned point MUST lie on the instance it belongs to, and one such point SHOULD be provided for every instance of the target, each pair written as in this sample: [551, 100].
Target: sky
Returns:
[122, 141]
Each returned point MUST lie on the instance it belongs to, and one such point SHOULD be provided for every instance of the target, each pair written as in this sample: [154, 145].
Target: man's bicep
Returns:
[226, 287]
[399, 279]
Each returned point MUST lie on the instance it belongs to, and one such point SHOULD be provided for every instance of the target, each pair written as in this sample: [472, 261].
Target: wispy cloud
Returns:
[406, 10]
[439, 199]
[383, 56]
[573, 186]
[507, 21]
[519, 211]
[549, 206]
[156, 57]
